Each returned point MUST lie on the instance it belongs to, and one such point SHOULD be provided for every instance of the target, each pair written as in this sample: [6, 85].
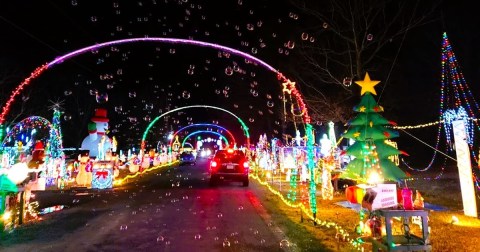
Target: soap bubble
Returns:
[284, 243]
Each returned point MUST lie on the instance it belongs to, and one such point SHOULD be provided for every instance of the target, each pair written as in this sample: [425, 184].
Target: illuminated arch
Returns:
[145, 133]
[205, 131]
[200, 125]
[288, 86]
[31, 122]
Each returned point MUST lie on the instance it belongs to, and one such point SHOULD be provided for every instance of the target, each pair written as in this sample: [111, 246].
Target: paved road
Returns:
[172, 210]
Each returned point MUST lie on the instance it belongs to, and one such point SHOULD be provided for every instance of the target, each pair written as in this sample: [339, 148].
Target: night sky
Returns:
[144, 80]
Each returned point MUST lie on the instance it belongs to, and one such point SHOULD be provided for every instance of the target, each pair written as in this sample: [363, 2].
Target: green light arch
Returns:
[204, 131]
[243, 125]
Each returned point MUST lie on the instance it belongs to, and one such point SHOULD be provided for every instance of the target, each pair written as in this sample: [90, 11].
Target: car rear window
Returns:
[223, 156]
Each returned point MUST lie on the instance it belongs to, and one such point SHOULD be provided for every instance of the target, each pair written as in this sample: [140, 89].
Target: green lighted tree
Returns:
[371, 163]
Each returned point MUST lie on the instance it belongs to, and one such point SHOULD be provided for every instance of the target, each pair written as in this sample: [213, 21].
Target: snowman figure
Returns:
[97, 142]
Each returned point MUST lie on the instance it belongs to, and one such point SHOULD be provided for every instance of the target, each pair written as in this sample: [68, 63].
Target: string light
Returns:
[202, 125]
[124, 180]
[323, 223]
[147, 130]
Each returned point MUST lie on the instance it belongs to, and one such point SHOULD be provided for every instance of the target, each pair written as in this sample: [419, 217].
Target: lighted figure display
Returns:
[97, 142]
[325, 146]
[371, 163]
[84, 176]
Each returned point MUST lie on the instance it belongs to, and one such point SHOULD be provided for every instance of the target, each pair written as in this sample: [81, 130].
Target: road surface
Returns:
[170, 210]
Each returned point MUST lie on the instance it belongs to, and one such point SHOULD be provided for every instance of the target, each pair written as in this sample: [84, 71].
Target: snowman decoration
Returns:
[97, 142]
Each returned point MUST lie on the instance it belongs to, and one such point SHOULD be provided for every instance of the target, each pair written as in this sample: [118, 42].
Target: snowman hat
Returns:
[100, 115]
[38, 146]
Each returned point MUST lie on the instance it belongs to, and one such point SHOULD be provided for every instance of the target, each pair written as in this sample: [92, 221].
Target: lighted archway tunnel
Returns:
[242, 123]
[205, 132]
[203, 125]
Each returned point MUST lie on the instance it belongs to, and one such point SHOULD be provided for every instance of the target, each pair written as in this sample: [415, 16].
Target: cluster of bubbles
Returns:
[139, 82]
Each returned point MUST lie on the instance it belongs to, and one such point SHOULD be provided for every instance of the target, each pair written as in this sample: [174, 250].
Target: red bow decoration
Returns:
[102, 174]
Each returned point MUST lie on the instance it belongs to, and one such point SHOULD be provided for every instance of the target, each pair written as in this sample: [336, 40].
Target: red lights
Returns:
[213, 164]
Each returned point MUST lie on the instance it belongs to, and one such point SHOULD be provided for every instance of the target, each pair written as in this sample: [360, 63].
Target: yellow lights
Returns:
[269, 175]
[328, 224]
[418, 126]
[288, 86]
[454, 220]
[121, 181]
[374, 178]
[6, 216]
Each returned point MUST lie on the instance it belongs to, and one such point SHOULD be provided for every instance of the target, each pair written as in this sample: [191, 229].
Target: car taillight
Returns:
[213, 164]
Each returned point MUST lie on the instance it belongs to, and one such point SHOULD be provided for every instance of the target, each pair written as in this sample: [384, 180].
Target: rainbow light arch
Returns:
[201, 125]
[205, 131]
[145, 133]
[289, 86]
[31, 122]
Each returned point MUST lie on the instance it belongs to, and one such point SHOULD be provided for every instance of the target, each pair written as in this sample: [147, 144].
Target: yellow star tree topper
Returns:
[367, 85]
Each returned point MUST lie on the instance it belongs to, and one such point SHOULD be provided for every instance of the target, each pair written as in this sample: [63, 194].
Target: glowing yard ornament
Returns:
[331, 133]
[325, 146]
[97, 135]
[369, 131]
[298, 138]
[464, 168]
[18, 173]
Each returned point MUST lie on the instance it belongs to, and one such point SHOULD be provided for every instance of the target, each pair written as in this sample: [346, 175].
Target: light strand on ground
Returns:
[323, 223]
[131, 176]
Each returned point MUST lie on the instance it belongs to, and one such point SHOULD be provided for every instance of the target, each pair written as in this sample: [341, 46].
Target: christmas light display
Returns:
[203, 125]
[455, 98]
[154, 121]
[29, 123]
[369, 132]
[205, 132]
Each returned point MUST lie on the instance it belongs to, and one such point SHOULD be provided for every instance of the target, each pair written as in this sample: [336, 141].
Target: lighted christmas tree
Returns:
[371, 164]
[55, 141]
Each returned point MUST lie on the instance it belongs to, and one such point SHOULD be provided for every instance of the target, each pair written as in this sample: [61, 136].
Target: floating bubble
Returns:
[347, 81]
[132, 94]
[226, 243]
[160, 239]
[304, 36]
[219, 215]
[101, 97]
[185, 94]
[198, 237]
[290, 44]
[270, 104]
[67, 117]
[284, 243]
[229, 71]
[123, 228]
[369, 37]
[67, 92]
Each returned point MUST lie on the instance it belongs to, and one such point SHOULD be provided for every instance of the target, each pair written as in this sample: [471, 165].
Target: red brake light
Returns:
[213, 164]
[245, 164]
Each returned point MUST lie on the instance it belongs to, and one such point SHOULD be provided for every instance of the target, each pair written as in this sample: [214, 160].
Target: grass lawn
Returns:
[444, 236]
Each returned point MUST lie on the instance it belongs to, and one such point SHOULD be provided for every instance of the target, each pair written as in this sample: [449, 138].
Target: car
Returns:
[187, 157]
[229, 164]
